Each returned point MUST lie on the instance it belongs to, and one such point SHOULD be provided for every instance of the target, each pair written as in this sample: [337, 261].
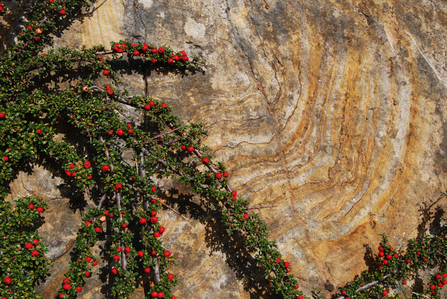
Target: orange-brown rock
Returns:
[334, 111]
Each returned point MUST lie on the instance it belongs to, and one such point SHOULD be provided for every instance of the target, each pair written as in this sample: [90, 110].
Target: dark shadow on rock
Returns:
[237, 256]
[371, 261]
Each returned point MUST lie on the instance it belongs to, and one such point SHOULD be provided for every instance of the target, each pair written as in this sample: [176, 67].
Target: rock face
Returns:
[334, 111]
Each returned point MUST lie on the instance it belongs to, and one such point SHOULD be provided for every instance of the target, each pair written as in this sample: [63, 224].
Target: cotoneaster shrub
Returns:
[30, 118]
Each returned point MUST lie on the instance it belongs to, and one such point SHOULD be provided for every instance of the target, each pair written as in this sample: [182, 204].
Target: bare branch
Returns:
[260, 207]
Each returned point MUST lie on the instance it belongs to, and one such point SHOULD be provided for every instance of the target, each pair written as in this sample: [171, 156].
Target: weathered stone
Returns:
[334, 111]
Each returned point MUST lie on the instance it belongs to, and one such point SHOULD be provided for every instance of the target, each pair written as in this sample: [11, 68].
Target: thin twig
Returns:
[166, 133]
[154, 198]
[260, 207]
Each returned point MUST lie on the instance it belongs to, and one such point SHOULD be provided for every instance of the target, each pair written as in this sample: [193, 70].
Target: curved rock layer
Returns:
[334, 111]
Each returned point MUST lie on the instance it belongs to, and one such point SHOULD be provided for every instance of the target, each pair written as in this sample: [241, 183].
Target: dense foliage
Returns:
[32, 111]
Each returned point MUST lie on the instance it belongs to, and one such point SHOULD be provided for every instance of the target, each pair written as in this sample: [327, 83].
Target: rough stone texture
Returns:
[334, 111]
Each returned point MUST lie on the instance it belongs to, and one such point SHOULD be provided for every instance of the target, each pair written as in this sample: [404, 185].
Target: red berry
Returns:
[28, 245]
[444, 275]
[31, 206]
[380, 248]
[385, 293]
[408, 261]
[151, 103]
[124, 225]
[95, 263]
[142, 220]
[160, 295]
[34, 253]
[440, 284]
[418, 253]
[286, 264]
[167, 253]
[170, 60]
[190, 149]
[154, 252]
[110, 92]
[66, 280]
[185, 59]
[110, 133]
[87, 164]
[161, 230]
[205, 160]
[444, 282]
[39, 31]
[97, 229]
[234, 192]
[154, 220]
[87, 274]
[432, 287]
[154, 60]
[40, 210]
[381, 254]
[106, 73]
[389, 256]
[278, 260]
[343, 292]
[2, 114]
[225, 174]
[114, 271]
[5, 158]
[35, 242]
[60, 295]
[395, 255]
[100, 58]
[105, 168]
[7, 280]
[87, 223]
[66, 286]
[88, 259]
[438, 276]
[120, 132]
[147, 107]
[147, 270]
[154, 50]
[170, 276]
[219, 176]
[154, 189]
[385, 262]
[118, 187]
[116, 257]
[153, 213]
[154, 294]
[136, 53]
[425, 259]
[161, 50]
[140, 253]
[38, 131]
[62, 12]
[163, 105]
[156, 234]
[78, 289]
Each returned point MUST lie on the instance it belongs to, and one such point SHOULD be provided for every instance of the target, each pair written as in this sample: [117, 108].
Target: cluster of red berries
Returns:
[442, 281]
[389, 256]
[38, 209]
[69, 173]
